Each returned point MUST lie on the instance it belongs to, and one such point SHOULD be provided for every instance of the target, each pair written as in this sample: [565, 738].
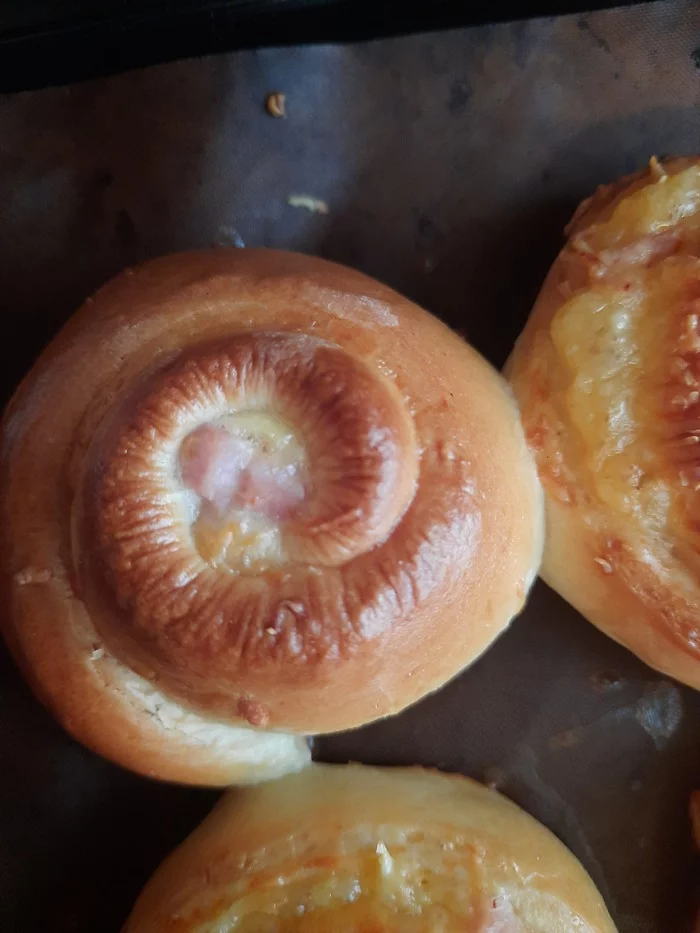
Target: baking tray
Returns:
[450, 163]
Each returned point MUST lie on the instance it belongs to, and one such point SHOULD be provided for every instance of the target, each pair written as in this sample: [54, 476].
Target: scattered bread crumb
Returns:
[308, 203]
[275, 104]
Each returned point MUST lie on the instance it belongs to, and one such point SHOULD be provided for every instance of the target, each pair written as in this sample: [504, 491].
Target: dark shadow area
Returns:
[78, 836]
[94, 178]
[48, 42]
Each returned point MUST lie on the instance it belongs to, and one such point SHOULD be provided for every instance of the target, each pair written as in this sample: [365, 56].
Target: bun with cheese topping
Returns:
[352, 848]
[607, 375]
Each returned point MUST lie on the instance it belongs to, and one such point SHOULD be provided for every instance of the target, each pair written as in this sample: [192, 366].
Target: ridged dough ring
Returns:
[282, 497]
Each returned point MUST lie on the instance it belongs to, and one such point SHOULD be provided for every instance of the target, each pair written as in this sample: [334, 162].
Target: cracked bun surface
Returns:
[347, 848]
[250, 495]
[607, 374]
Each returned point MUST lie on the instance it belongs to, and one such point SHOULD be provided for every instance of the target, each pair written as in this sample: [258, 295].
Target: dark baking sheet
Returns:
[450, 163]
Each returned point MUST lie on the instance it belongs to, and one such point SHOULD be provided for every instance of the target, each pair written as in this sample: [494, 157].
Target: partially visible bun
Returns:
[250, 490]
[607, 375]
[350, 848]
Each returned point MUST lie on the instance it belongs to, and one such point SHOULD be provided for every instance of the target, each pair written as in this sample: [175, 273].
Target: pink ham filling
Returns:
[230, 473]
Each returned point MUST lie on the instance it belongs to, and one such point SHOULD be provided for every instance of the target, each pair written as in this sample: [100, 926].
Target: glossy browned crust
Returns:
[589, 559]
[402, 576]
[466, 835]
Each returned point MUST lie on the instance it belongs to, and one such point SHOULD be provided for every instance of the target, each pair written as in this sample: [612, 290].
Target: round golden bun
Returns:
[607, 375]
[349, 848]
[248, 488]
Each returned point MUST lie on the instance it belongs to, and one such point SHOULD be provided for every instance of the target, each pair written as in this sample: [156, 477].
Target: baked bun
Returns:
[607, 375]
[252, 489]
[349, 848]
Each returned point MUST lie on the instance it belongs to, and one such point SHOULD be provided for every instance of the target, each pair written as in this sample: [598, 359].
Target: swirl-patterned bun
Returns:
[347, 848]
[248, 493]
[607, 374]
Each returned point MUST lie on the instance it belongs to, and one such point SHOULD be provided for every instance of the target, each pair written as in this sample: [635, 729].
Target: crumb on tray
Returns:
[308, 203]
[275, 104]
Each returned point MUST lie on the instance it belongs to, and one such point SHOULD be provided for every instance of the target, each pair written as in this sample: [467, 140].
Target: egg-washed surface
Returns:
[390, 884]
[406, 881]
[360, 849]
[632, 369]
[627, 342]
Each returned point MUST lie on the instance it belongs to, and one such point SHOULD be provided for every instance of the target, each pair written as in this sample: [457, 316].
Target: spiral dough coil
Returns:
[250, 495]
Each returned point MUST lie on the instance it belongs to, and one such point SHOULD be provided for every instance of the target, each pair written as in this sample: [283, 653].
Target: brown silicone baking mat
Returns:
[449, 164]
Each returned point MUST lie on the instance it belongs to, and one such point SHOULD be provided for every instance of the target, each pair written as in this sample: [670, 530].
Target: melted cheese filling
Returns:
[248, 473]
[629, 345]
